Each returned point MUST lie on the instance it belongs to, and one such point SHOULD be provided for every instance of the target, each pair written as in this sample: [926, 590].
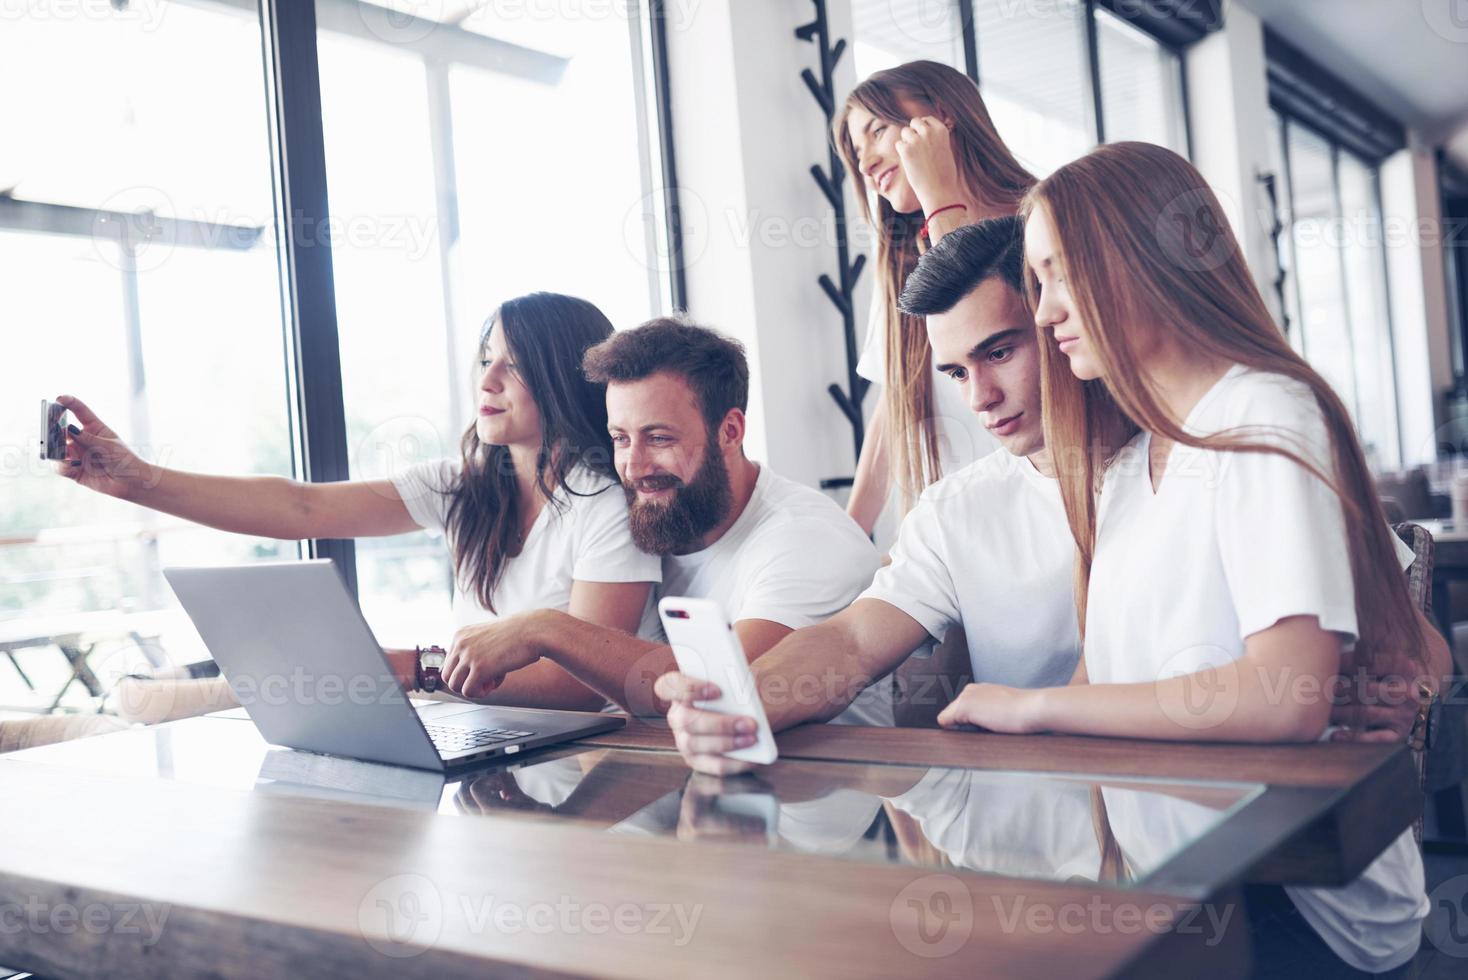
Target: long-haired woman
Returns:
[1234, 562]
[531, 508]
[920, 140]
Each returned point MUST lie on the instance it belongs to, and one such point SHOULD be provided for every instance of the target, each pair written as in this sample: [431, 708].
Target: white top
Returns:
[792, 557]
[962, 438]
[1006, 823]
[1229, 545]
[989, 549]
[575, 538]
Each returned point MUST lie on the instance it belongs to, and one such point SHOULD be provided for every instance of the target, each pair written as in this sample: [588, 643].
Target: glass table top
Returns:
[1018, 824]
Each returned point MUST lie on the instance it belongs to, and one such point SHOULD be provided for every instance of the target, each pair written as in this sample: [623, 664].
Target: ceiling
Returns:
[1410, 57]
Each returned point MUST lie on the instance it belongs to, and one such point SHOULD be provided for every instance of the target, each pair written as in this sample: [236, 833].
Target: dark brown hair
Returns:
[546, 335]
[713, 365]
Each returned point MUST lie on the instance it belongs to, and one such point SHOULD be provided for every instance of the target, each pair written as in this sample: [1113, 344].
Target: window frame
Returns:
[1286, 201]
[1175, 44]
[308, 290]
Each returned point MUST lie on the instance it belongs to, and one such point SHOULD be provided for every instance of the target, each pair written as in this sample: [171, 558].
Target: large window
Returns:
[1141, 85]
[1054, 75]
[469, 162]
[1332, 253]
[466, 161]
[138, 262]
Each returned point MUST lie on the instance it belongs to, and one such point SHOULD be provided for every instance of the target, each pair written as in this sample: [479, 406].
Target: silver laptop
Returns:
[304, 664]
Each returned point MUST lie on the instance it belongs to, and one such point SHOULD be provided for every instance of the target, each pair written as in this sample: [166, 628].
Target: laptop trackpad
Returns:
[437, 711]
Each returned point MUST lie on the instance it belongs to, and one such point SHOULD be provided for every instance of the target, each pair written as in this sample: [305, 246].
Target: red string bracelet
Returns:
[946, 207]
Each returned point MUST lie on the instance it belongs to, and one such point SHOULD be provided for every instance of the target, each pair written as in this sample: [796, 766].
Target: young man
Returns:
[777, 555]
[987, 548]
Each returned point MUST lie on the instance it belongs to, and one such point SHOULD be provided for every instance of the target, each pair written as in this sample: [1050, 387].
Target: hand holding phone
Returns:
[707, 648]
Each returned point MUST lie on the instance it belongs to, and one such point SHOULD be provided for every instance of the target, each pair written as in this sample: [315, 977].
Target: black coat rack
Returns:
[831, 181]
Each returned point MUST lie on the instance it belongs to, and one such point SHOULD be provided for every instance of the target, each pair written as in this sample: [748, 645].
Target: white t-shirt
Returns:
[1005, 823]
[792, 557]
[1230, 544]
[575, 538]
[989, 549]
[962, 438]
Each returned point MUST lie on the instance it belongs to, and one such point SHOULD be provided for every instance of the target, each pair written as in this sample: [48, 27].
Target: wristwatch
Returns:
[430, 662]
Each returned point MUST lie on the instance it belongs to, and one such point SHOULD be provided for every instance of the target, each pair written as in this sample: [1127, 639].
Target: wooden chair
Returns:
[1442, 761]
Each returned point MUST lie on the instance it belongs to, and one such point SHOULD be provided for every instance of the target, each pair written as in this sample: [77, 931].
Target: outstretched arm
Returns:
[266, 506]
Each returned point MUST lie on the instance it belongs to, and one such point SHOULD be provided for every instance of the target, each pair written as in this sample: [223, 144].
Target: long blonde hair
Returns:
[989, 171]
[1143, 240]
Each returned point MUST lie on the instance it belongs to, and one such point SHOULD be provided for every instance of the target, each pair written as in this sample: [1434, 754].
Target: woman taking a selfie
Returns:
[532, 509]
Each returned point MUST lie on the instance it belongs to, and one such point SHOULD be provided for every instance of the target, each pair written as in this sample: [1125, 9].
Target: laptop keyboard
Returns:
[449, 739]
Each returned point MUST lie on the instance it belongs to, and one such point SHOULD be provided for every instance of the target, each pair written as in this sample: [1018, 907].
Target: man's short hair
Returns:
[713, 365]
[961, 261]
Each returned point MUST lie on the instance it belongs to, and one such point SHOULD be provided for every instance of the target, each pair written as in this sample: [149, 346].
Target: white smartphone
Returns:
[706, 647]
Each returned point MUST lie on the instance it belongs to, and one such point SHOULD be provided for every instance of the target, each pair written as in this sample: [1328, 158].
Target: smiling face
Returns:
[672, 468]
[875, 142]
[508, 414]
[1056, 310]
[987, 345]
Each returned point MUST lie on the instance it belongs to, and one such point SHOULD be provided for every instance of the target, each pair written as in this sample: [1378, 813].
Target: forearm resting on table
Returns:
[1280, 690]
[815, 673]
[617, 665]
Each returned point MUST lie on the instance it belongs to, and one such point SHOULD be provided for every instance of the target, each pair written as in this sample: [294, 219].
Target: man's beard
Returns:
[696, 507]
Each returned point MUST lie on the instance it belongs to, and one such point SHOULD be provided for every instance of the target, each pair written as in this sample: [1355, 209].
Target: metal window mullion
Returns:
[1386, 310]
[1093, 75]
[970, 30]
[672, 208]
[1340, 216]
[1294, 271]
[298, 160]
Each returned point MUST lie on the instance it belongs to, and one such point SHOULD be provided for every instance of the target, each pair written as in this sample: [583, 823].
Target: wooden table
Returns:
[174, 823]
